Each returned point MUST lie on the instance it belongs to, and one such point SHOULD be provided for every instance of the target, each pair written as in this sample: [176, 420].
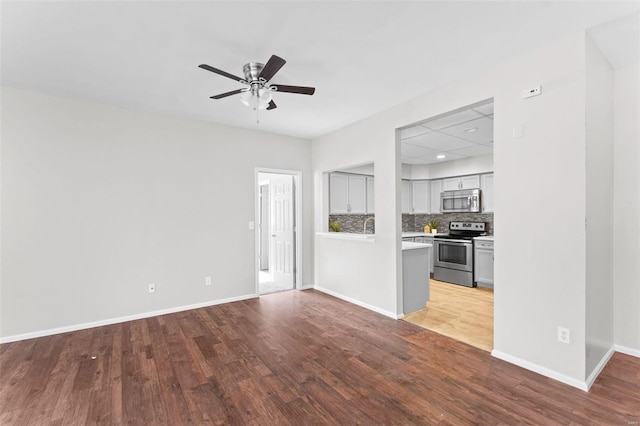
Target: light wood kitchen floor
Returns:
[462, 313]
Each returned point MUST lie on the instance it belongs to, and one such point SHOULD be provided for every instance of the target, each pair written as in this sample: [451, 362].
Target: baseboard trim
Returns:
[356, 302]
[117, 320]
[627, 350]
[541, 370]
[598, 369]
[306, 287]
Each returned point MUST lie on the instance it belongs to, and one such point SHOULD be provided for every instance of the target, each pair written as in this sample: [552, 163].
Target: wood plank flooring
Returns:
[462, 313]
[299, 357]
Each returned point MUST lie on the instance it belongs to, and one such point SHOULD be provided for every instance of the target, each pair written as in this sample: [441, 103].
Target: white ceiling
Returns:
[454, 136]
[363, 57]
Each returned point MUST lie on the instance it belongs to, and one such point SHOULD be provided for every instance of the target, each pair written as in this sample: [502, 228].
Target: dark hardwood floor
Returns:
[298, 357]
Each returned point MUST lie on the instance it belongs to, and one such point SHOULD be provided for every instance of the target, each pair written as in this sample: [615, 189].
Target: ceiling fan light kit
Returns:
[258, 94]
[259, 99]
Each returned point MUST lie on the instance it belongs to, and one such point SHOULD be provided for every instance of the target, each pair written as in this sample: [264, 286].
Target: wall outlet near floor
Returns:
[152, 288]
[564, 335]
[207, 280]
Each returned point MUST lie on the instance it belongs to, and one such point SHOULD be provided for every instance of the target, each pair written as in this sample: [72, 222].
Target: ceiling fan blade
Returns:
[224, 95]
[223, 73]
[272, 105]
[272, 66]
[294, 89]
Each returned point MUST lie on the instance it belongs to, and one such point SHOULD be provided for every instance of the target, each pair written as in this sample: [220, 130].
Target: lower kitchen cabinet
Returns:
[424, 240]
[483, 263]
[415, 278]
[429, 240]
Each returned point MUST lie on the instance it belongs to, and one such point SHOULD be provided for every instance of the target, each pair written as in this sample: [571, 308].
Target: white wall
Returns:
[540, 285]
[465, 166]
[626, 210]
[599, 204]
[99, 201]
[354, 269]
[365, 169]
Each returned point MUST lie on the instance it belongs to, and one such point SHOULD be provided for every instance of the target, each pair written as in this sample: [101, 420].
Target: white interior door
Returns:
[282, 253]
[264, 235]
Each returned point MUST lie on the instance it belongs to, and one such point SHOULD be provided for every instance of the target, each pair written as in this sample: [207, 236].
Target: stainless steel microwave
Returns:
[463, 200]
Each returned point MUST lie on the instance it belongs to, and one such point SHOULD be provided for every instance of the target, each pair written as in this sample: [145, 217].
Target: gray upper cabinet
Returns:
[451, 184]
[370, 195]
[407, 206]
[461, 182]
[420, 196]
[470, 182]
[486, 185]
[435, 190]
[338, 193]
[357, 194]
[347, 194]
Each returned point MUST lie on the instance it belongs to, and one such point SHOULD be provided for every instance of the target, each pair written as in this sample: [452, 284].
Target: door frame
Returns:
[297, 205]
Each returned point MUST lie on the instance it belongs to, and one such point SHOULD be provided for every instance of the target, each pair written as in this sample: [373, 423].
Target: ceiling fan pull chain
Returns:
[257, 111]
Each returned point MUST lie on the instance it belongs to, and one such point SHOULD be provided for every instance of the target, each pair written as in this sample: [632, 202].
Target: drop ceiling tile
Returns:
[437, 141]
[473, 151]
[483, 135]
[415, 161]
[410, 132]
[433, 158]
[408, 150]
[485, 109]
[452, 119]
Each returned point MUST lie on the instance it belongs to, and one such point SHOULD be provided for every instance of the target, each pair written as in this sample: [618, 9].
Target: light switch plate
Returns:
[518, 131]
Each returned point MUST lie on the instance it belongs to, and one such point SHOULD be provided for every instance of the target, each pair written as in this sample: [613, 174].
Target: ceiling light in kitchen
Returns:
[440, 156]
[471, 129]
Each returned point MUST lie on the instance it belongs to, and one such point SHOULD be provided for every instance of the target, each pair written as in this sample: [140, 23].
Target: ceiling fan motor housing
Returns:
[252, 71]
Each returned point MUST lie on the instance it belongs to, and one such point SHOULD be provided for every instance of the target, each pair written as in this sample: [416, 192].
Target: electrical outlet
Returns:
[564, 335]
[207, 280]
[152, 288]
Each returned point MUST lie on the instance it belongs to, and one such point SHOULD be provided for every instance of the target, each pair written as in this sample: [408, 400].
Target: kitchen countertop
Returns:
[484, 238]
[369, 238]
[419, 234]
[408, 245]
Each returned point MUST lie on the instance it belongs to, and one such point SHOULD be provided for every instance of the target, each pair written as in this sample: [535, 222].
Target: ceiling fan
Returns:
[256, 77]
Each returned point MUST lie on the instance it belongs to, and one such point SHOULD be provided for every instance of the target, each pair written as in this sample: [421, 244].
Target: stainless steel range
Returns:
[453, 252]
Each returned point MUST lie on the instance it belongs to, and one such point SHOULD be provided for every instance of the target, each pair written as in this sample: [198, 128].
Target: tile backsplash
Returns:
[412, 222]
[416, 222]
[354, 222]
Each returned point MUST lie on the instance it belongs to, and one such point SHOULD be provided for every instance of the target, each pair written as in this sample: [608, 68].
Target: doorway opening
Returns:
[277, 239]
[446, 157]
